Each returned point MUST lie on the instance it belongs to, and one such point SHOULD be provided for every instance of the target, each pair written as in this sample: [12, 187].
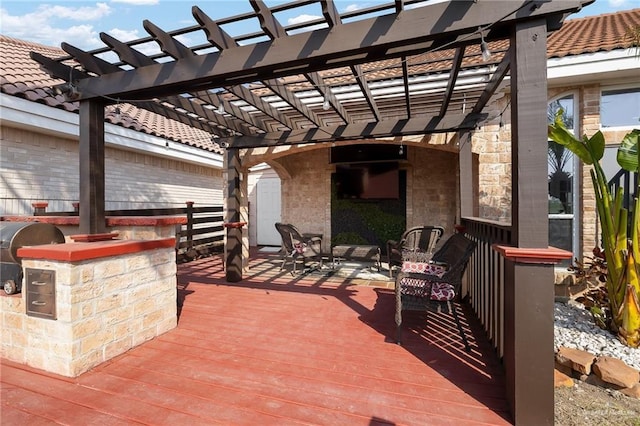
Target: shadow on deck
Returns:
[278, 349]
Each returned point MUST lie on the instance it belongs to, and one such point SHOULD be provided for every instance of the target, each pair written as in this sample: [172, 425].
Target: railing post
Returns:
[189, 225]
[39, 208]
[528, 351]
[233, 243]
[528, 321]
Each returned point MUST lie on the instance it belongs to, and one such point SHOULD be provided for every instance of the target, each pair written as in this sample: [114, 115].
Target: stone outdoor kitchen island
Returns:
[109, 296]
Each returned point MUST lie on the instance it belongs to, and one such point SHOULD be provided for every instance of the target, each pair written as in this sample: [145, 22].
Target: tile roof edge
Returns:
[581, 18]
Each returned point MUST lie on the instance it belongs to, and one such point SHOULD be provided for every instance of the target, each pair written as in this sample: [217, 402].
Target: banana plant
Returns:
[622, 251]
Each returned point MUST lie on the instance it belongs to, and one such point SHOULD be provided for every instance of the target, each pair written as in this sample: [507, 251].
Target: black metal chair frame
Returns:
[416, 294]
[296, 246]
[423, 238]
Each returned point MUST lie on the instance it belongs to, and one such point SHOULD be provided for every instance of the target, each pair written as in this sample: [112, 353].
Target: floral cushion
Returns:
[442, 292]
[299, 248]
[415, 287]
[423, 268]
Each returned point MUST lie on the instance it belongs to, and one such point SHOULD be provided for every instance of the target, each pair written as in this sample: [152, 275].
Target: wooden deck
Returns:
[276, 350]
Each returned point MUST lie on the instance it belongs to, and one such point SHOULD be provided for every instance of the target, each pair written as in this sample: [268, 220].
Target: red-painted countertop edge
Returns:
[533, 255]
[75, 252]
[110, 220]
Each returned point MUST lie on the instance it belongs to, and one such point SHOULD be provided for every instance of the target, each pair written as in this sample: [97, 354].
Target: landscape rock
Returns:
[613, 370]
[594, 380]
[566, 369]
[578, 360]
[633, 392]
[561, 379]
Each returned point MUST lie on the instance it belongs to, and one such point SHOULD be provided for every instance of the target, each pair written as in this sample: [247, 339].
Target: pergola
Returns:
[401, 68]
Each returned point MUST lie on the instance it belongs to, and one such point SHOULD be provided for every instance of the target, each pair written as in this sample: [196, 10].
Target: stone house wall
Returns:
[42, 167]
[431, 189]
[492, 144]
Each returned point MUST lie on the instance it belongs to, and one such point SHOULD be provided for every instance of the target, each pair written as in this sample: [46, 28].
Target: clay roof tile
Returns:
[21, 76]
[592, 34]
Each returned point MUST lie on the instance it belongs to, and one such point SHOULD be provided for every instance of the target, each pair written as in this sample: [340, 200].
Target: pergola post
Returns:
[528, 298]
[466, 176]
[91, 152]
[233, 224]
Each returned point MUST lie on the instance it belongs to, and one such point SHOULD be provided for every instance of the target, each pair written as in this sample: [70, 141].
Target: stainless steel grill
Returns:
[14, 235]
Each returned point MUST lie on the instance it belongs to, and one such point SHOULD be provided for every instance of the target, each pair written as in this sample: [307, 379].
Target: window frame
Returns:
[628, 86]
[576, 216]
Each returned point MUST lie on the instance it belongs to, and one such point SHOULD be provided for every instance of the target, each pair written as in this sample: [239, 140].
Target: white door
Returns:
[268, 211]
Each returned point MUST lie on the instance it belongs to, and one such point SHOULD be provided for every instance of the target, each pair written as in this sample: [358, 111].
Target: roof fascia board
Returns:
[28, 114]
[590, 65]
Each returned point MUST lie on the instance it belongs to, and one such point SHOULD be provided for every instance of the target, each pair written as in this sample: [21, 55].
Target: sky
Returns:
[79, 23]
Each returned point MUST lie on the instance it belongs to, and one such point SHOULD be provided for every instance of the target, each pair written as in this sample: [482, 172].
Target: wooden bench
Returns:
[356, 252]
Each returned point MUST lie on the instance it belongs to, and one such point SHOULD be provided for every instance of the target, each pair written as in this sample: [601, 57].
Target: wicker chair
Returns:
[296, 246]
[418, 238]
[438, 284]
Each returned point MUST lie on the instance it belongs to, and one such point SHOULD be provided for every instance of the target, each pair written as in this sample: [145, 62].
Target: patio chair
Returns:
[297, 246]
[432, 286]
[418, 238]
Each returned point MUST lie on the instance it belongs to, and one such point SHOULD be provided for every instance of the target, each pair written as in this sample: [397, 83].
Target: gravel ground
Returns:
[588, 405]
[574, 328]
[585, 404]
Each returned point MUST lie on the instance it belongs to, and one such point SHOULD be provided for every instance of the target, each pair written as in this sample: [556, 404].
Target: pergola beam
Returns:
[361, 80]
[268, 22]
[494, 83]
[327, 95]
[249, 97]
[172, 114]
[88, 61]
[405, 83]
[198, 109]
[215, 34]
[354, 43]
[290, 98]
[169, 45]
[126, 53]
[330, 13]
[355, 131]
[453, 76]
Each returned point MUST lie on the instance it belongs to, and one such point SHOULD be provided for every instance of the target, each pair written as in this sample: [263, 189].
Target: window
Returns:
[620, 108]
[563, 186]
[561, 162]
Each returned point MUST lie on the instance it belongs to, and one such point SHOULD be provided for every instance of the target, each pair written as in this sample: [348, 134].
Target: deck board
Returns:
[277, 349]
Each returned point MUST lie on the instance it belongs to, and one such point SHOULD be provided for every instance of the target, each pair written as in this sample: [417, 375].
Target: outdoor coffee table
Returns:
[356, 252]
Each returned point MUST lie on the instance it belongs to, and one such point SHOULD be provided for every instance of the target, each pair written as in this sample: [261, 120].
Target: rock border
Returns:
[603, 371]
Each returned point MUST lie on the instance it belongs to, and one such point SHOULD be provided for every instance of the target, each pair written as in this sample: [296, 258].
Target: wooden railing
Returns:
[204, 230]
[202, 234]
[628, 181]
[485, 276]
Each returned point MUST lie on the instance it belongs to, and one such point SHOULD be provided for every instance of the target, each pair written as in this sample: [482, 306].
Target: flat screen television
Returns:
[368, 181]
[366, 153]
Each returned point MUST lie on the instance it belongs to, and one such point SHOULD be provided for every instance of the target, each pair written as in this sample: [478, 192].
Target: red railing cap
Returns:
[533, 255]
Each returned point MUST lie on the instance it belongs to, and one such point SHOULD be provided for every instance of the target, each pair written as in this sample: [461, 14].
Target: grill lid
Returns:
[14, 235]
